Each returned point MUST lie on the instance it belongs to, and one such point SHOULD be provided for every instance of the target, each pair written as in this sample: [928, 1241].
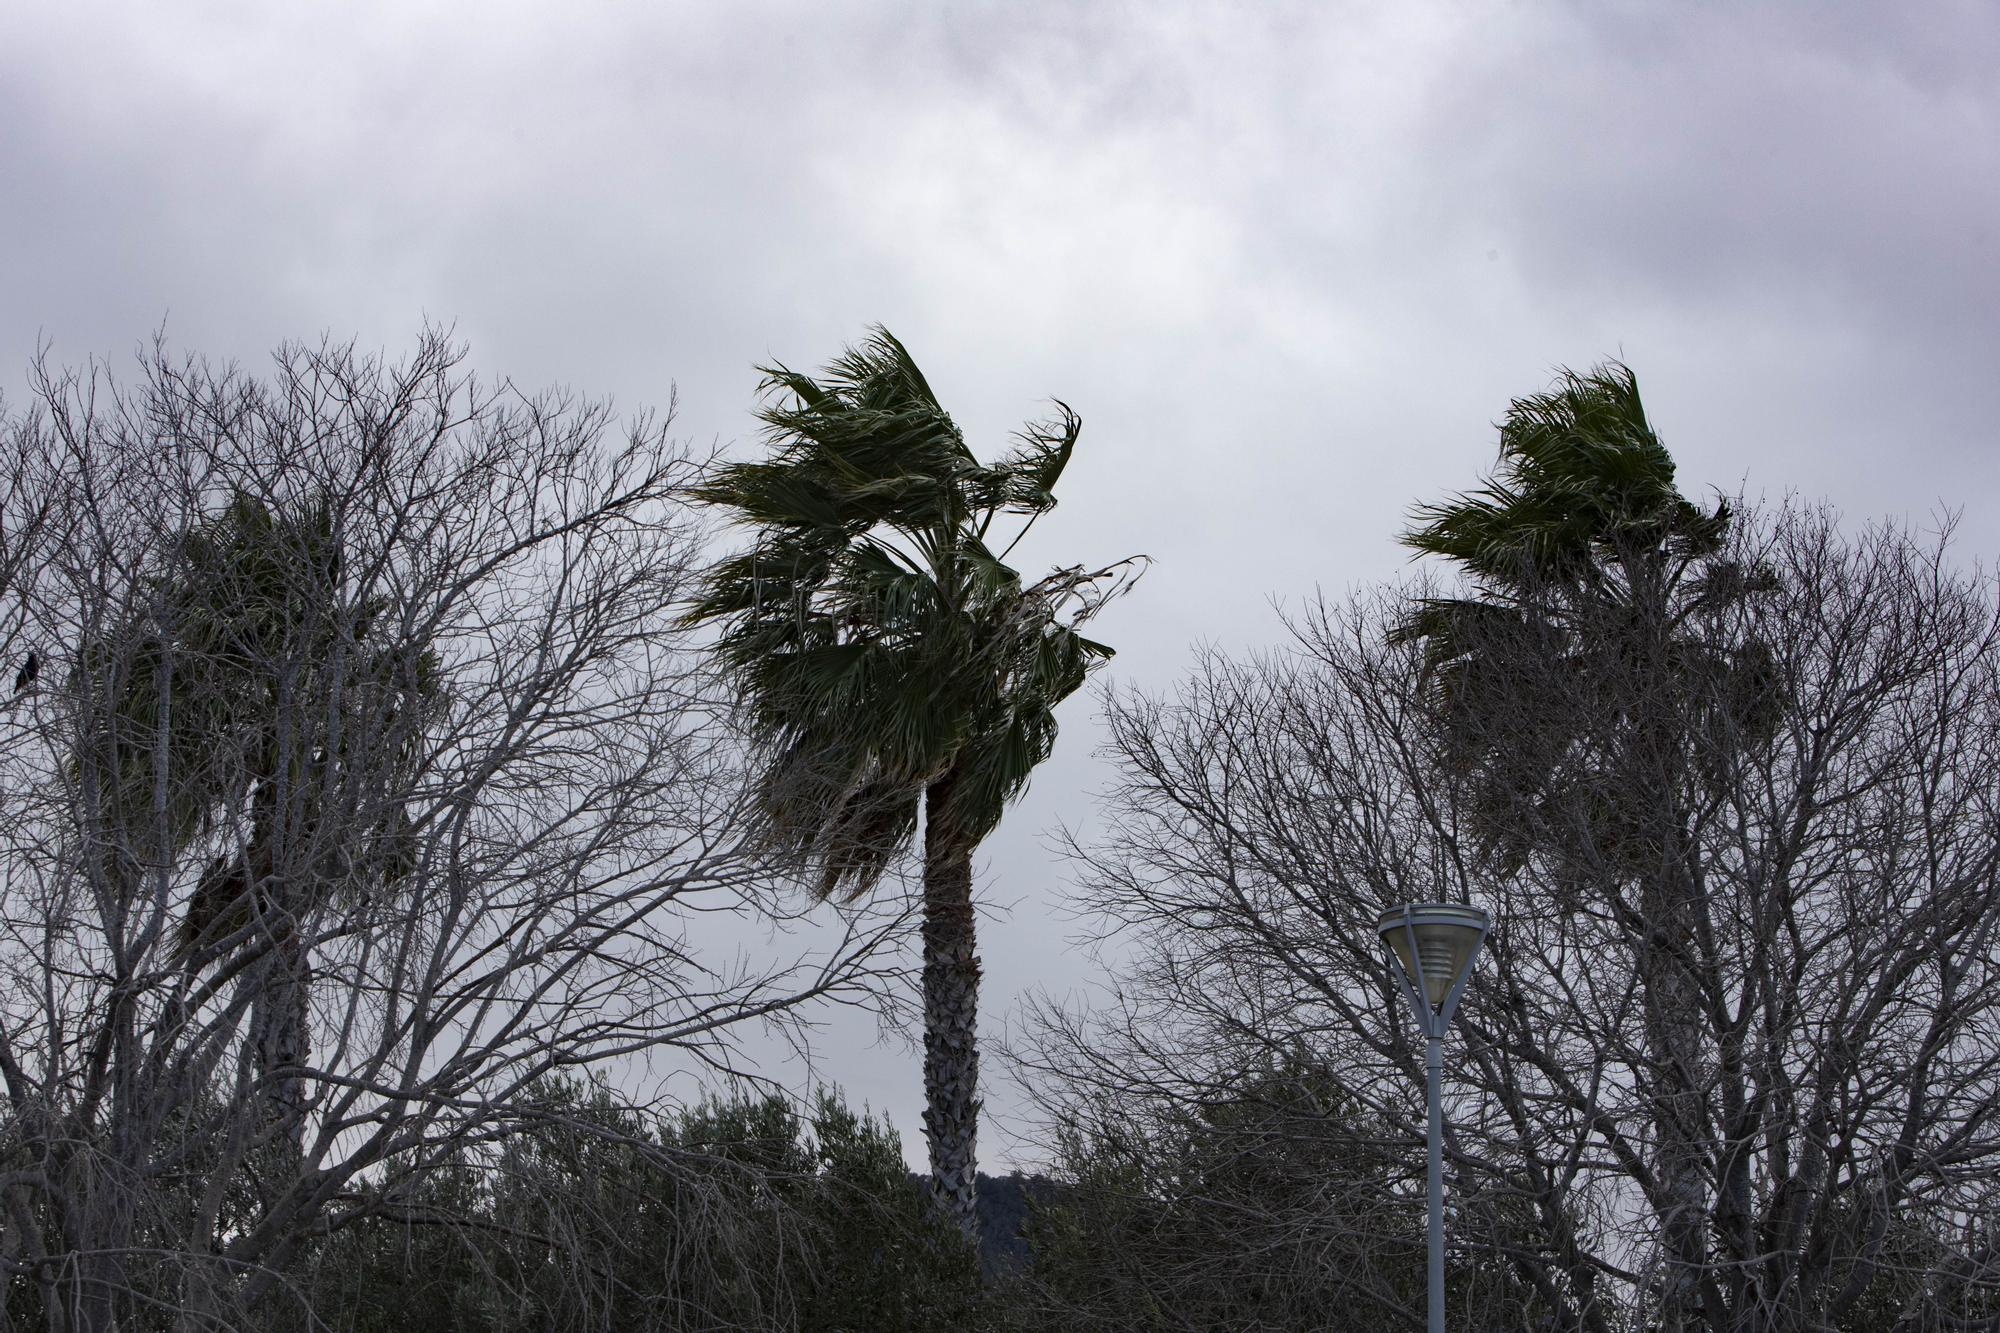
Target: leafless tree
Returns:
[367, 784]
[23, 516]
[1835, 844]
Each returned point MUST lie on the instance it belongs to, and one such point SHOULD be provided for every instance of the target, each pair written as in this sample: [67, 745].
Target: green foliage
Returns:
[878, 640]
[1274, 1204]
[892, 1262]
[740, 1212]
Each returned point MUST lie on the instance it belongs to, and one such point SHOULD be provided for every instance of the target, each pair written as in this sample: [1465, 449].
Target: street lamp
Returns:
[1434, 945]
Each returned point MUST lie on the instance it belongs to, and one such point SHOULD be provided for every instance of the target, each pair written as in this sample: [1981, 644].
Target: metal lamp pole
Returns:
[1433, 945]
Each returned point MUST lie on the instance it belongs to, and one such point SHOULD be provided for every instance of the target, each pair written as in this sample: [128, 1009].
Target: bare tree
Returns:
[23, 516]
[1840, 852]
[368, 784]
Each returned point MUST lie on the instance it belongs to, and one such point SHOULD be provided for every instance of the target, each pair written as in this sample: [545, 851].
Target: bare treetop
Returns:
[367, 785]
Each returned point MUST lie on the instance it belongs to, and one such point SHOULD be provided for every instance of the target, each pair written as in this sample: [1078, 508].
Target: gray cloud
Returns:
[1288, 261]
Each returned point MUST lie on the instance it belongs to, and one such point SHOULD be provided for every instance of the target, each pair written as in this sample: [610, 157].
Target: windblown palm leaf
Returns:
[878, 641]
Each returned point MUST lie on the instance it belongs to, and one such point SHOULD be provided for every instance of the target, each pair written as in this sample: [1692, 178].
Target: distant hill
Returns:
[1003, 1218]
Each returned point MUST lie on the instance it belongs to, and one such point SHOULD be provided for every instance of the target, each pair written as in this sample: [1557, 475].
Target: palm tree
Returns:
[1589, 574]
[892, 663]
[215, 701]
[1584, 688]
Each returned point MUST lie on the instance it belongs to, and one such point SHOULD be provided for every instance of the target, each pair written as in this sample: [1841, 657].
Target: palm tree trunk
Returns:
[951, 1017]
[1670, 901]
[1675, 1041]
[277, 1039]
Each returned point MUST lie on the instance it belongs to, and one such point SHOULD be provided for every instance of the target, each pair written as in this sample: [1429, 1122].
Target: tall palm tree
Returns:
[892, 663]
[1587, 573]
[1584, 687]
[216, 700]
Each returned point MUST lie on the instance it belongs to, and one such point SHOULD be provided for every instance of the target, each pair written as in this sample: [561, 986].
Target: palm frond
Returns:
[877, 642]
[1582, 473]
[1590, 576]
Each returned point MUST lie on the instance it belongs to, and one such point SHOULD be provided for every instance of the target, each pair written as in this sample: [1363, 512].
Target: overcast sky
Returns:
[1289, 261]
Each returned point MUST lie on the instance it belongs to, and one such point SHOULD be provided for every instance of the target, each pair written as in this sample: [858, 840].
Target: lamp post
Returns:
[1433, 945]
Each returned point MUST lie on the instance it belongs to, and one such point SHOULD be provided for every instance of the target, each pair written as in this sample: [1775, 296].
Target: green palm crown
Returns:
[879, 643]
[1596, 592]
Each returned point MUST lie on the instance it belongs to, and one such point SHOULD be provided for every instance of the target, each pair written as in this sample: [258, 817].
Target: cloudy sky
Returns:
[1288, 261]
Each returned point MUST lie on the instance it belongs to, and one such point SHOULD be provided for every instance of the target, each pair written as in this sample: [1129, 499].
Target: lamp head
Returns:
[1446, 935]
